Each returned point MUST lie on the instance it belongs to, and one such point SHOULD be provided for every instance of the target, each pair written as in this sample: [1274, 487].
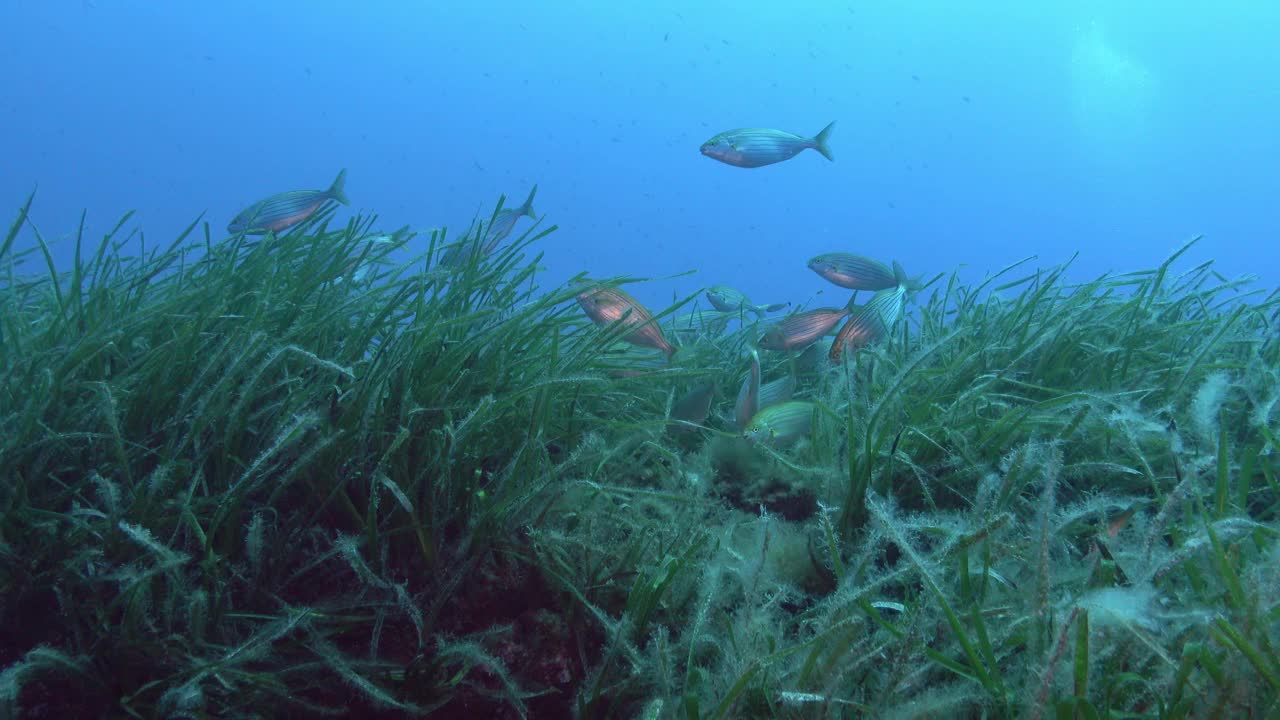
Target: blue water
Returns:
[967, 134]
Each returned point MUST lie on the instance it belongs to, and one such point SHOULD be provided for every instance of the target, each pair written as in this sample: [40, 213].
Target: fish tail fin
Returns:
[820, 141]
[851, 306]
[761, 310]
[338, 190]
[404, 233]
[912, 284]
[527, 207]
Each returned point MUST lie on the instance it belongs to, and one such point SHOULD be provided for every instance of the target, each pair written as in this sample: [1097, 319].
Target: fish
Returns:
[284, 210]
[856, 272]
[871, 322]
[497, 231]
[727, 299]
[781, 424]
[692, 408]
[609, 305]
[396, 238]
[749, 394]
[633, 363]
[505, 222]
[700, 323]
[754, 397]
[812, 359]
[798, 330]
[1117, 523]
[757, 147]
[776, 391]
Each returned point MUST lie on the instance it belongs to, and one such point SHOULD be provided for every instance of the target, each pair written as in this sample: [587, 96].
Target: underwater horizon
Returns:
[613, 361]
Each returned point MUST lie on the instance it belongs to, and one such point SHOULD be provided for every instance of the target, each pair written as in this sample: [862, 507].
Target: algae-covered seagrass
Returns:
[241, 479]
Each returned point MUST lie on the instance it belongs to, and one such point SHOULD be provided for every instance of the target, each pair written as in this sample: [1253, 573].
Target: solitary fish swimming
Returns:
[286, 209]
[756, 147]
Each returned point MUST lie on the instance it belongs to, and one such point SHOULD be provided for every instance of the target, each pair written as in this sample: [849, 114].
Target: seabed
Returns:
[290, 477]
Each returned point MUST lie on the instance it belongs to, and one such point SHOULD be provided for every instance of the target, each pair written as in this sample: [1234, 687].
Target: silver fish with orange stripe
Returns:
[284, 210]
[871, 322]
[505, 222]
[484, 240]
[605, 306]
[857, 272]
[799, 330]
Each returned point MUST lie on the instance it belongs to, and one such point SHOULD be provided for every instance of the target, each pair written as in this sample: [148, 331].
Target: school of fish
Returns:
[764, 412]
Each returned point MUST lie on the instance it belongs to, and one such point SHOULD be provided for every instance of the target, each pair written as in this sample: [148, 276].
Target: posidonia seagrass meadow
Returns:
[244, 478]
